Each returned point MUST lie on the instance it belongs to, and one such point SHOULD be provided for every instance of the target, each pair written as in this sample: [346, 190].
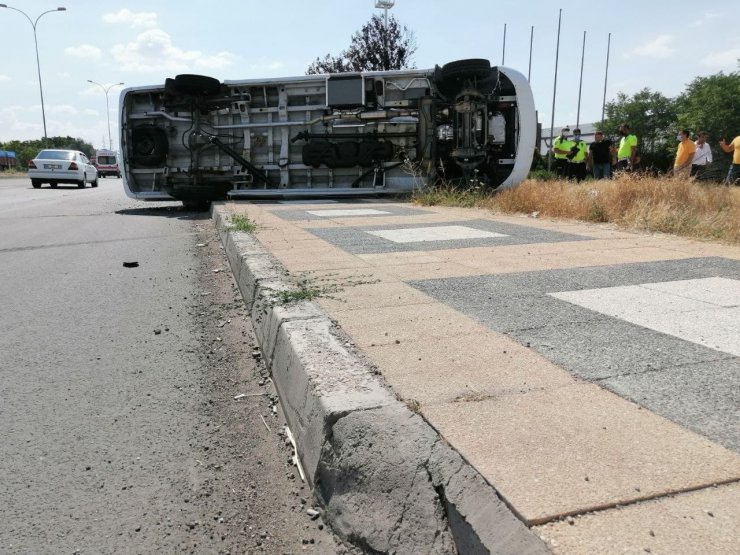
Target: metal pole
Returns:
[531, 41]
[503, 51]
[580, 82]
[606, 74]
[38, 63]
[554, 90]
[107, 107]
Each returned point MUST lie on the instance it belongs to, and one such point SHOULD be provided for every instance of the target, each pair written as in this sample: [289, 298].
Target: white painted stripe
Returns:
[695, 310]
[435, 233]
[348, 212]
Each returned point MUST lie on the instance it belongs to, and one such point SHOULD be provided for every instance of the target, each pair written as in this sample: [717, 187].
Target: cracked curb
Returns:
[387, 481]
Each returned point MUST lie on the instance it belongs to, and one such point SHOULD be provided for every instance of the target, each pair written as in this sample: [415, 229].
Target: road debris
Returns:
[265, 423]
[295, 459]
[130, 264]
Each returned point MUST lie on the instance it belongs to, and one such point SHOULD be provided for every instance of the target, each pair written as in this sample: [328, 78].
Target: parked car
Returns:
[54, 166]
[198, 139]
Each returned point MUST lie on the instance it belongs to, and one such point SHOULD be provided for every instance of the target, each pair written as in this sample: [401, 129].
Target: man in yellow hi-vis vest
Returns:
[627, 152]
[561, 146]
[577, 157]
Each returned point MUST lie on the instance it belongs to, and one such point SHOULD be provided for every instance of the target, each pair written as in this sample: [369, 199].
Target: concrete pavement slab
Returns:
[703, 397]
[700, 522]
[712, 325]
[578, 448]
[465, 368]
[380, 326]
[551, 444]
[602, 347]
[349, 211]
[360, 240]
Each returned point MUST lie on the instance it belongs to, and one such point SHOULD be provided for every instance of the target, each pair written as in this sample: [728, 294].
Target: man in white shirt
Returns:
[702, 156]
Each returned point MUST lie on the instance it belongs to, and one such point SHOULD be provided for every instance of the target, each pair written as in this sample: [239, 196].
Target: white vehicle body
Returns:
[54, 166]
[197, 139]
[107, 163]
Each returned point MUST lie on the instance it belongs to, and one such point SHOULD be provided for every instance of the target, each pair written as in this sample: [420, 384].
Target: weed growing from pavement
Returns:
[643, 203]
[242, 223]
[305, 290]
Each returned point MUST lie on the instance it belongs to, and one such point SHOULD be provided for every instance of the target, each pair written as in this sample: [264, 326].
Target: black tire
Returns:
[36, 183]
[150, 146]
[472, 68]
[94, 183]
[452, 77]
[53, 185]
[194, 85]
[81, 184]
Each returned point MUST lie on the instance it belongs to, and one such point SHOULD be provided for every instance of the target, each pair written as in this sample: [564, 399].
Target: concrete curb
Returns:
[387, 481]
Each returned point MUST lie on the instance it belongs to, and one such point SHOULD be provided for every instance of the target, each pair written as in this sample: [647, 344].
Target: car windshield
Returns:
[56, 155]
[106, 159]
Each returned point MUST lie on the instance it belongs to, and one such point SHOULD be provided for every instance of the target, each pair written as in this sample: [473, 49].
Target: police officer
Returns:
[561, 147]
[577, 157]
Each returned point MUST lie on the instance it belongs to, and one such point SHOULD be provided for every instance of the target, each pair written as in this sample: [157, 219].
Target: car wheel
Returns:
[94, 182]
[36, 183]
[452, 77]
[53, 185]
[81, 184]
[472, 68]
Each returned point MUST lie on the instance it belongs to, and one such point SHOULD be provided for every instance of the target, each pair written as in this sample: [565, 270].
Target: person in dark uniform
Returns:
[600, 156]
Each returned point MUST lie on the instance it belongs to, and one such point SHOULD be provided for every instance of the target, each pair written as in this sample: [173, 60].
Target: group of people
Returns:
[574, 158]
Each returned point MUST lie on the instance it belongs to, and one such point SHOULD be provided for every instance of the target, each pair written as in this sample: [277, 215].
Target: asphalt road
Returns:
[117, 412]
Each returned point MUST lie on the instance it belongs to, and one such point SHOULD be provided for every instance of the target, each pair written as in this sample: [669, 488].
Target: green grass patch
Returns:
[242, 223]
[305, 290]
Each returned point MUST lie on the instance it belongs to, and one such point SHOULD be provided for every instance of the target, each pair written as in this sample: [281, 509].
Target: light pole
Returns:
[107, 109]
[38, 64]
[385, 5]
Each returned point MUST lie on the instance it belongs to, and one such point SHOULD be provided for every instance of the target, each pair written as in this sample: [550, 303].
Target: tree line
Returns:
[27, 150]
[710, 104]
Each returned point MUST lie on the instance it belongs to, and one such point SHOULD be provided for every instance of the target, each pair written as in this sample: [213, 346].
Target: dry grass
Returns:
[675, 206]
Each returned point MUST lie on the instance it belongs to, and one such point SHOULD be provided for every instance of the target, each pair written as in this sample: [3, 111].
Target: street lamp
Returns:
[107, 109]
[36, 42]
[385, 5]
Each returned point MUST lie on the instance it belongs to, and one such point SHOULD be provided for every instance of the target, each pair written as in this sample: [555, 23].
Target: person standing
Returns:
[702, 155]
[627, 152]
[561, 146]
[577, 157]
[684, 155]
[733, 176]
[600, 156]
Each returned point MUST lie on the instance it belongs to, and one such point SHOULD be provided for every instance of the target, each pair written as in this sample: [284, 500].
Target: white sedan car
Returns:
[54, 166]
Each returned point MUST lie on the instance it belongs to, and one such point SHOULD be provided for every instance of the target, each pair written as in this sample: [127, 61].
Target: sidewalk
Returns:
[591, 376]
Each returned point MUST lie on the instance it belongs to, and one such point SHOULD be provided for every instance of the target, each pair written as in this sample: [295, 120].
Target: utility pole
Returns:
[580, 82]
[554, 91]
[38, 64]
[107, 108]
[385, 5]
[606, 75]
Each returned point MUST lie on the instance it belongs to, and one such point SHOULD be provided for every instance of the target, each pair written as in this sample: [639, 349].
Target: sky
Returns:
[662, 45]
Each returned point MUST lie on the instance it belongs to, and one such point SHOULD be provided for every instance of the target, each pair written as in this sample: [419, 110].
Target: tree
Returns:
[653, 118]
[373, 48]
[711, 104]
[27, 150]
